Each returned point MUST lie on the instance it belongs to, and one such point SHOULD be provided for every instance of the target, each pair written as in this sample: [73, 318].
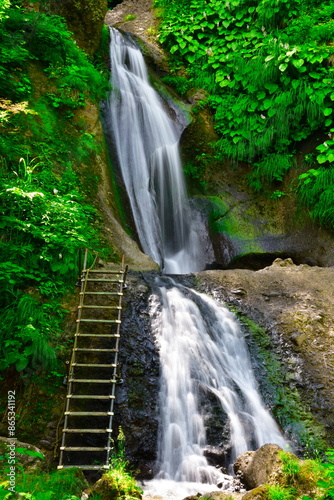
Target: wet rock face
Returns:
[137, 397]
[295, 304]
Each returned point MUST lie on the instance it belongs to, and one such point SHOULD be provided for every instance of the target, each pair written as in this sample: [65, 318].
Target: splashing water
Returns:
[146, 141]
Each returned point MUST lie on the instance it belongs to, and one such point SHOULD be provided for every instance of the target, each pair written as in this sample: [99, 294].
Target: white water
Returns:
[201, 347]
[146, 141]
[202, 350]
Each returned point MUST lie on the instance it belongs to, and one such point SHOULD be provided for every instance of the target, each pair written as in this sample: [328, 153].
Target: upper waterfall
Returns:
[146, 141]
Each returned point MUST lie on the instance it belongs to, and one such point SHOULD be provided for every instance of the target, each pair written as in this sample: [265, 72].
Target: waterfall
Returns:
[146, 140]
[202, 349]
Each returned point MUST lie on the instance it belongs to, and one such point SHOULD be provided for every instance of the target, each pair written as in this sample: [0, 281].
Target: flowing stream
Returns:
[201, 346]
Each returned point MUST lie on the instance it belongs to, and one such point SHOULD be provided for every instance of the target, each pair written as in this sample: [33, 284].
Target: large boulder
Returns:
[27, 455]
[259, 467]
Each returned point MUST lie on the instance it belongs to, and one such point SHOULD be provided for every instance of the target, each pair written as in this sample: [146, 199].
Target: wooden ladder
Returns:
[93, 372]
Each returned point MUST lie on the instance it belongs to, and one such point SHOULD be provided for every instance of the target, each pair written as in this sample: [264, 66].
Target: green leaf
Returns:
[327, 111]
[21, 364]
[322, 158]
[191, 58]
[174, 49]
[282, 67]
[269, 58]
[298, 63]
[272, 87]
[267, 103]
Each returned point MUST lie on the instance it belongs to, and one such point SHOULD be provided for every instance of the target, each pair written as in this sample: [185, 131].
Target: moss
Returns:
[286, 402]
[236, 223]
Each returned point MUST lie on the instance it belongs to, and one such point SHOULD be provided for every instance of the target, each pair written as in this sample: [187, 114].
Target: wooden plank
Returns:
[89, 396]
[92, 381]
[84, 448]
[91, 320]
[92, 431]
[94, 365]
[86, 349]
[115, 294]
[85, 467]
[84, 306]
[89, 413]
[101, 335]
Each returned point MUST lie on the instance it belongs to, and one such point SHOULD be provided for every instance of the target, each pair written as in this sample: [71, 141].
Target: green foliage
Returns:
[327, 480]
[45, 219]
[28, 36]
[66, 484]
[4, 4]
[291, 467]
[316, 191]
[179, 83]
[119, 476]
[267, 67]
[194, 171]
[43, 229]
[271, 168]
[276, 492]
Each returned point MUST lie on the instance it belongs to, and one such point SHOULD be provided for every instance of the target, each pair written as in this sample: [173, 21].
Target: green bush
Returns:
[267, 68]
[45, 218]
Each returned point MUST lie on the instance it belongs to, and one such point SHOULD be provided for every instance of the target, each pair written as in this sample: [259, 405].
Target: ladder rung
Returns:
[92, 381]
[81, 448]
[94, 365]
[89, 396]
[99, 307]
[90, 320]
[102, 271]
[102, 293]
[84, 467]
[89, 413]
[87, 349]
[106, 335]
[93, 431]
[104, 280]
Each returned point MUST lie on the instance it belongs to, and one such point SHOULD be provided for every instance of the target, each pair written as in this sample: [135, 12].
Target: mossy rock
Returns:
[116, 484]
[84, 18]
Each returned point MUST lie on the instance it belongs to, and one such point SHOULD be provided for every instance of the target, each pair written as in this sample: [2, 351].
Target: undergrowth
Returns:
[46, 220]
[119, 476]
[268, 70]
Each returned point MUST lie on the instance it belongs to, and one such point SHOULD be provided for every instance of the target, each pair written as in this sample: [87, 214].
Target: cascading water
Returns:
[201, 346]
[146, 141]
[203, 349]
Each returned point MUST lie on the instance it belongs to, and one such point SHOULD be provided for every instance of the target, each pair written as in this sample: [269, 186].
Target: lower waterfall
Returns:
[202, 349]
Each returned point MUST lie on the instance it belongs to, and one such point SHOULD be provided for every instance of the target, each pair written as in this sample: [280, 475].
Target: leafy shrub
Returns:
[268, 69]
[45, 219]
[66, 484]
